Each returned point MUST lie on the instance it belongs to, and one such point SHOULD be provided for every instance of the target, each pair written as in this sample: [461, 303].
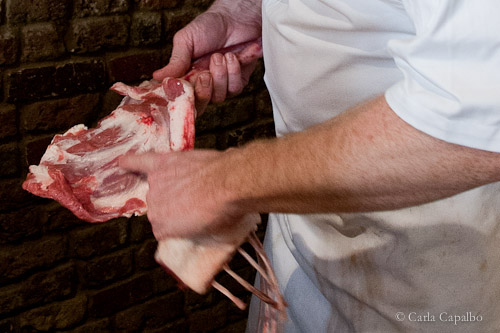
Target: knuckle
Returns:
[179, 37]
[202, 93]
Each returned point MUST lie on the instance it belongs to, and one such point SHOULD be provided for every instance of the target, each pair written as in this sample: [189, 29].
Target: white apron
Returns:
[431, 268]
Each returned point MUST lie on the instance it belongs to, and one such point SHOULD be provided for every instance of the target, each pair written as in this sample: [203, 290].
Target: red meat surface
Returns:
[80, 167]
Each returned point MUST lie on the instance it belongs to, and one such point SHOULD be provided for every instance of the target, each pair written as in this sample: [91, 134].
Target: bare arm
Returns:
[367, 159]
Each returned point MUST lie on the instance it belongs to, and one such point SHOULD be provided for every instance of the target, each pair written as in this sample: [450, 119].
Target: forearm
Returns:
[365, 160]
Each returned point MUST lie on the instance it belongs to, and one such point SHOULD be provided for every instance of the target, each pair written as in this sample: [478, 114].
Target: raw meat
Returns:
[80, 170]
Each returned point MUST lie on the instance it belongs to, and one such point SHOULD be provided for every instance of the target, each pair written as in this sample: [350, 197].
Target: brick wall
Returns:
[57, 60]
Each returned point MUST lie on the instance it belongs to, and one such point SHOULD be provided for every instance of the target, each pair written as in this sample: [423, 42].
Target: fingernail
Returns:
[218, 59]
[230, 57]
[205, 80]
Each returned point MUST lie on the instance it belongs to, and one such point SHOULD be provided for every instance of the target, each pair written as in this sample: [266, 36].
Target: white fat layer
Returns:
[165, 133]
[135, 136]
[41, 173]
[77, 128]
[196, 260]
[181, 113]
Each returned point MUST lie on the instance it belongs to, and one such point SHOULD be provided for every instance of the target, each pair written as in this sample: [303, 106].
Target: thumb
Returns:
[179, 63]
[143, 163]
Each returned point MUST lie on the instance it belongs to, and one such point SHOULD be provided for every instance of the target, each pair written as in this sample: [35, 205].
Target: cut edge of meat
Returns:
[195, 263]
[205, 254]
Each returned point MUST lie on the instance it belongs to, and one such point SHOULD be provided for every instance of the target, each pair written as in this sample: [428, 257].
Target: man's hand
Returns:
[226, 23]
[185, 196]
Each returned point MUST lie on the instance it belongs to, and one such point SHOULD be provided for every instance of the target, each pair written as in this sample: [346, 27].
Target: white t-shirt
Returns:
[430, 268]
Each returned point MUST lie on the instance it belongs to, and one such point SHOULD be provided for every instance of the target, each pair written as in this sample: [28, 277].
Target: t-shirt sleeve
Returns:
[451, 69]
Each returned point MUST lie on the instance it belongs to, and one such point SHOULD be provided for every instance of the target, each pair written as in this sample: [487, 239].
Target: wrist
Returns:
[243, 176]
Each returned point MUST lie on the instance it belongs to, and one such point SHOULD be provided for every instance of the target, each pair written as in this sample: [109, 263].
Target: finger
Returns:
[203, 91]
[180, 59]
[143, 163]
[218, 70]
[234, 81]
[246, 72]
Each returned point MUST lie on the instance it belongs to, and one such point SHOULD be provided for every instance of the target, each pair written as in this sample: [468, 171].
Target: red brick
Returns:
[144, 257]
[98, 239]
[60, 218]
[120, 296]
[56, 316]
[202, 4]
[108, 268]
[9, 43]
[19, 224]
[263, 105]
[17, 260]
[35, 148]
[41, 41]
[85, 8]
[12, 196]
[232, 112]
[59, 114]
[140, 229]
[206, 141]
[208, 319]
[40, 10]
[40, 288]
[110, 102]
[29, 83]
[236, 327]
[9, 325]
[162, 280]
[2, 4]
[133, 67]
[152, 314]
[76, 77]
[256, 130]
[164, 308]
[97, 33]
[8, 127]
[156, 4]
[178, 326]
[146, 29]
[196, 301]
[101, 325]
[79, 77]
[256, 82]
[9, 155]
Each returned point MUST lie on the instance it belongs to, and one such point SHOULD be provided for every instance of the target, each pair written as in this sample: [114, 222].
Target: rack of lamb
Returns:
[80, 170]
